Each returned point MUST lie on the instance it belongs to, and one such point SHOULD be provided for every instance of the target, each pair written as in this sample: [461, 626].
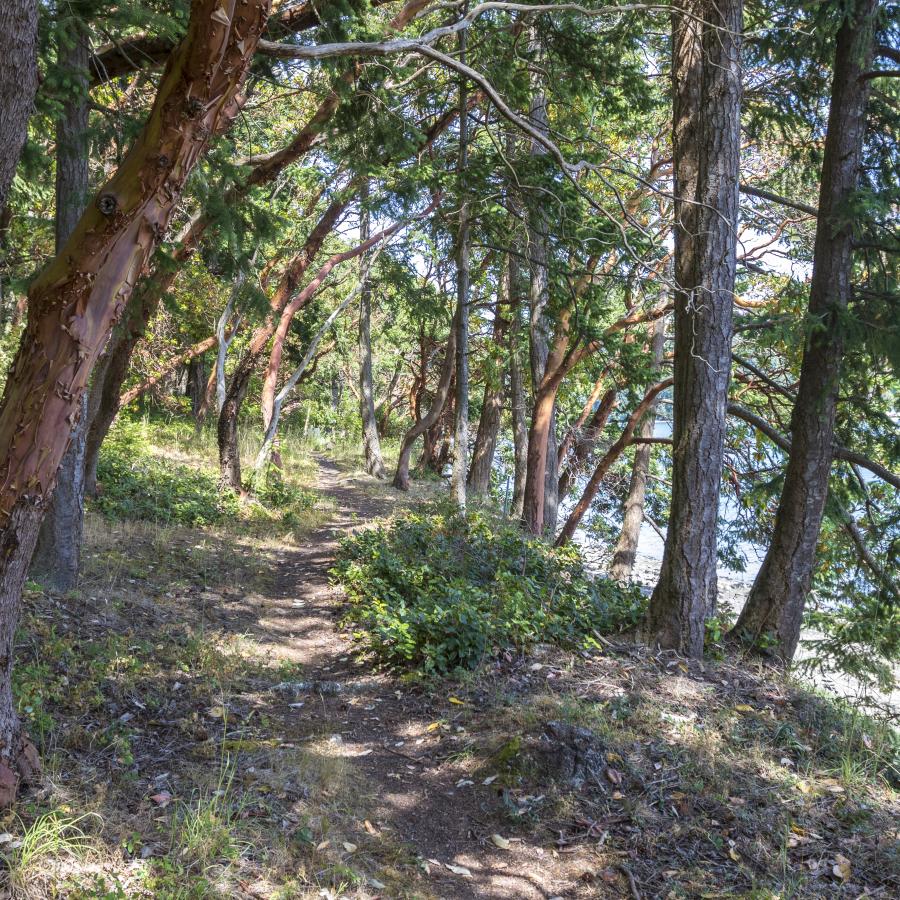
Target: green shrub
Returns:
[439, 589]
[135, 484]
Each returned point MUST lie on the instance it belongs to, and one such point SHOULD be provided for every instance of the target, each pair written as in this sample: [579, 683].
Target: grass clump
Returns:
[439, 589]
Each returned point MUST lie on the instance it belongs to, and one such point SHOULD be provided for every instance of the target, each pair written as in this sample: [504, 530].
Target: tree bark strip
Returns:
[774, 608]
[706, 145]
[75, 301]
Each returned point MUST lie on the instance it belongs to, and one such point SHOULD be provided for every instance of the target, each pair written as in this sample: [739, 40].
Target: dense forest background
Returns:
[519, 287]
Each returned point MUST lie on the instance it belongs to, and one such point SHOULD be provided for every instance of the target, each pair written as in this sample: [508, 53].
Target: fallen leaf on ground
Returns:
[841, 868]
[162, 799]
[500, 841]
[350, 848]
[459, 870]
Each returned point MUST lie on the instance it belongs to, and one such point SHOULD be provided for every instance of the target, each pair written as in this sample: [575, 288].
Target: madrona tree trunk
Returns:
[18, 83]
[633, 510]
[773, 614]
[519, 419]
[587, 440]
[401, 476]
[57, 556]
[706, 71]
[75, 301]
[374, 462]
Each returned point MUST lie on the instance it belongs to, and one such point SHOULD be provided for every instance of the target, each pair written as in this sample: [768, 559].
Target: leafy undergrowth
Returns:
[193, 751]
[440, 589]
[140, 477]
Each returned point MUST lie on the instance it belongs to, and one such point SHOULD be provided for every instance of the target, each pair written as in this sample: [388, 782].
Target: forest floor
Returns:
[208, 732]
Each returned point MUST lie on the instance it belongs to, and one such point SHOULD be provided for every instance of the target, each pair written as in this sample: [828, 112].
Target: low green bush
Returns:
[135, 484]
[138, 483]
[439, 589]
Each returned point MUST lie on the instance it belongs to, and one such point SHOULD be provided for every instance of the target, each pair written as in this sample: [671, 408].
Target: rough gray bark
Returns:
[461, 413]
[374, 461]
[57, 556]
[517, 396]
[18, 83]
[706, 148]
[627, 544]
[80, 295]
[774, 609]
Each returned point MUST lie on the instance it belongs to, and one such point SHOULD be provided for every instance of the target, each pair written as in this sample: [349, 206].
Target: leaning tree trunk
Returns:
[18, 83]
[706, 71]
[401, 476]
[374, 461]
[627, 544]
[75, 301]
[774, 609]
[587, 441]
[57, 556]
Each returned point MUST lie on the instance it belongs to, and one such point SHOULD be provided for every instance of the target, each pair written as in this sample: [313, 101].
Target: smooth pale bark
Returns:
[401, 475]
[633, 509]
[461, 413]
[227, 424]
[18, 83]
[265, 451]
[605, 463]
[540, 500]
[706, 73]
[773, 614]
[57, 556]
[75, 301]
[374, 462]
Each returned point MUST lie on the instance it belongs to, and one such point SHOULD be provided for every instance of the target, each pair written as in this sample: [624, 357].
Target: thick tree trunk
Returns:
[461, 413]
[774, 609]
[18, 83]
[605, 463]
[57, 556]
[706, 145]
[401, 476]
[374, 462]
[633, 513]
[196, 385]
[80, 295]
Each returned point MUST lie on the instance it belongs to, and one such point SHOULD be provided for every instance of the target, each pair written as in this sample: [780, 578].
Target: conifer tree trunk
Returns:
[518, 418]
[774, 609]
[57, 556]
[374, 462]
[706, 145]
[627, 544]
[75, 301]
[18, 83]
[461, 418]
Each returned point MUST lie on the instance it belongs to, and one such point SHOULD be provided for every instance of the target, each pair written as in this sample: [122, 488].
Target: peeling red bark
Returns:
[78, 298]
